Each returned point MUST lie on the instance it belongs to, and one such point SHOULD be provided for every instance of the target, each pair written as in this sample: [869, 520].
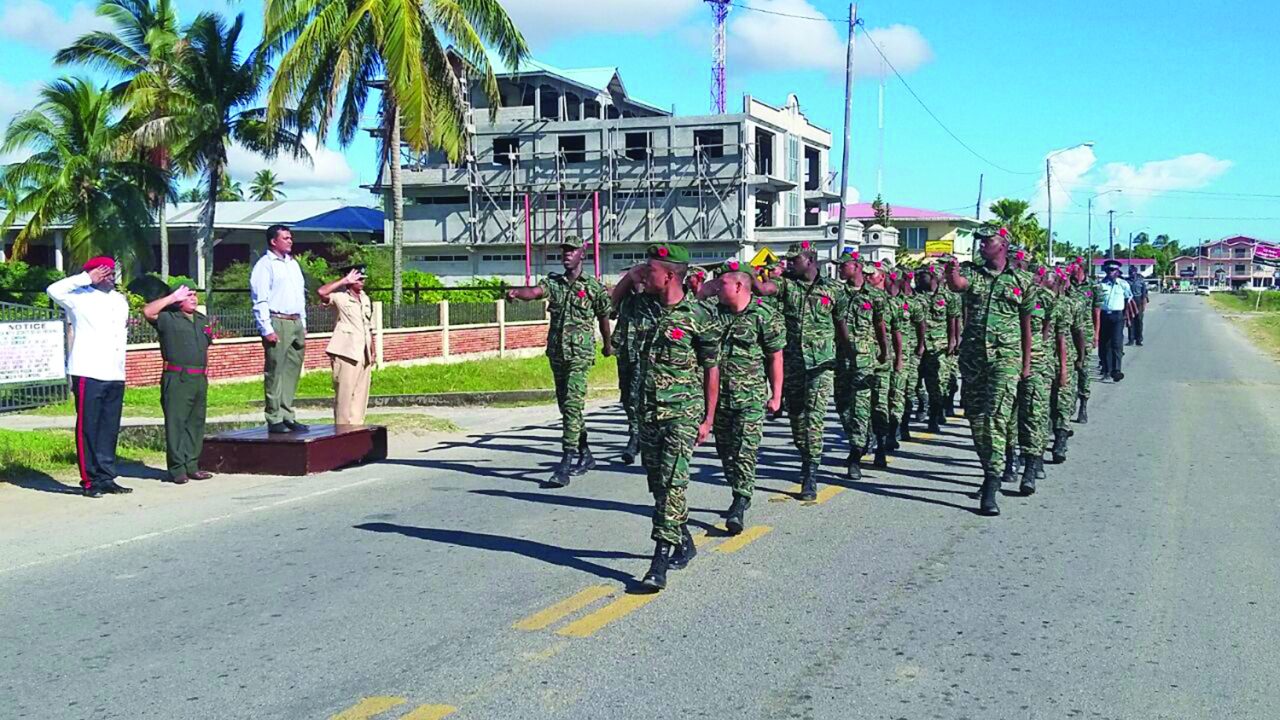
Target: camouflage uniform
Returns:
[746, 340]
[938, 365]
[809, 358]
[910, 313]
[855, 376]
[1033, 393]
[571, 346]
[1062, 398]
[882, 386]
[630, 324]
[1086, 301]
[675, 351]
[991, 357]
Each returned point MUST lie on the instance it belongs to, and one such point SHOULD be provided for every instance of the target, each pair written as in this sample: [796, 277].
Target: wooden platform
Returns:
[254, 451]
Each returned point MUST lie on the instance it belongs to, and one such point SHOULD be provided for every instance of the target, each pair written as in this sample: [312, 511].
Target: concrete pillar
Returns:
[444, 328]
[200, 264]
[378, 359]
[537, 102]
[58, 237]
[501, 306]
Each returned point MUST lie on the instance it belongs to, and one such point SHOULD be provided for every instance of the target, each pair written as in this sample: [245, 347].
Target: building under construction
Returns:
[571, 153]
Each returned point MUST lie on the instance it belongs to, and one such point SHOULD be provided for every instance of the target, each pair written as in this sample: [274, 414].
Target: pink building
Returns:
[1146, 267]
[1226, 263]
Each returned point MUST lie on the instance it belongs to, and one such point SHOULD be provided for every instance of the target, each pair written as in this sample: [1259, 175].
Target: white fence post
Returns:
[444, 328]
[378, 360]
[502, 327]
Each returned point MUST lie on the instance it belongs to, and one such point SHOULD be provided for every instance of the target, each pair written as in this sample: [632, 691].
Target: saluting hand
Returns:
[353, 277]
[101, 274]
[182, 294]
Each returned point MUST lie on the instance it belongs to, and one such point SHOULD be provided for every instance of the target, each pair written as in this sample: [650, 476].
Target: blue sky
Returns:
[1179, 99]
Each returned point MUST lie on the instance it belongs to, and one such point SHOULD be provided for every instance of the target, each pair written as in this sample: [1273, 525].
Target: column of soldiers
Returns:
[701, 357]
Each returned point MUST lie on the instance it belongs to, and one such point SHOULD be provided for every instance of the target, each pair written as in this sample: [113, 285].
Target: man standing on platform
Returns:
[350, 349]
[99, 319]
[279, 296]
[185, 337]
[575, 301]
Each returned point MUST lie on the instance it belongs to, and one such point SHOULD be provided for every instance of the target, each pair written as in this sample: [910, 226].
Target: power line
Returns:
[818, 18]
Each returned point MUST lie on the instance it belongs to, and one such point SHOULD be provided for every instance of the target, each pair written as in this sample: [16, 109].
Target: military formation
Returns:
[890, 346]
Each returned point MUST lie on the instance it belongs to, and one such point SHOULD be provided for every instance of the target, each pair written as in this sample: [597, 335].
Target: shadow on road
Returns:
[594, 504]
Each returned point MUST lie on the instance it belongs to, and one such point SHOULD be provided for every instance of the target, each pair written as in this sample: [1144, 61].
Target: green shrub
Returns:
[25, 284]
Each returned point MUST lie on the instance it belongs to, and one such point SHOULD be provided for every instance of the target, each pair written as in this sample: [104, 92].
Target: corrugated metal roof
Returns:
[235, 213]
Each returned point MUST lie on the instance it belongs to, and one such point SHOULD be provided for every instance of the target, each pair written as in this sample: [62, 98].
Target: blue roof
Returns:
[345, 219]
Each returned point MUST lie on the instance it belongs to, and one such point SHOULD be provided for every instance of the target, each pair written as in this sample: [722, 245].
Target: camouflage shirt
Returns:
[683, 342]
[746, 339]
[940, 307]
[997, 304]
[809, 311]
[1062, 322]
[1041, 312]
[913, 314]
[859, 309]
[575, 306]
[1085, 299]
[635, 318]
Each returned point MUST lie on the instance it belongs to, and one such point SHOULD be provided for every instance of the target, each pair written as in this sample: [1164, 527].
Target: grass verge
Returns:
[1245, 302]
[47, 454]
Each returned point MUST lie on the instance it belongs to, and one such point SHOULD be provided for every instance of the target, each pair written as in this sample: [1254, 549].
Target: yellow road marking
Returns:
[747, 537]
[368, 707]
[826, 494]
[926, 436]
[430, 712]
[544, 618]
[702, 538]
[614, 611]
[788, 494]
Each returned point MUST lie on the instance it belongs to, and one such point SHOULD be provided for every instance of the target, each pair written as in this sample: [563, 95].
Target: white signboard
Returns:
[32, 351]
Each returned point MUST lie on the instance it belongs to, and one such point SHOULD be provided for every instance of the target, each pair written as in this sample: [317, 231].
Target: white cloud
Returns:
[327, 175]
[764, 41]
[13, 99]
[1185, 172]
[38, 24]
[543, 21]
[1069, 168]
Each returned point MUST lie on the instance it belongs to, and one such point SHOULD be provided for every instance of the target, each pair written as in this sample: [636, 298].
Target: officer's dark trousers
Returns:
[183, 397]
[1111, 341]
[1135, 328]
[98, 406]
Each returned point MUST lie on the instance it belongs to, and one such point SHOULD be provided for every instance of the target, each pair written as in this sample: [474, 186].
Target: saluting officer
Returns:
[350, 349]
[185, 336]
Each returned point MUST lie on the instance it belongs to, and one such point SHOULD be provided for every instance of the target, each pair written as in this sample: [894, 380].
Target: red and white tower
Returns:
[721, 10]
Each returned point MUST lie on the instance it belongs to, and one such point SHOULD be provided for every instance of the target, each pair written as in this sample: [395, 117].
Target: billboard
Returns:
[934, 248]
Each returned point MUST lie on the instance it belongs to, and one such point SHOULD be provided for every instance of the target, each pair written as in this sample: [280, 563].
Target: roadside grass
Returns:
[47, 454]
[491, 375]
[1244, 302]
[1264, 331]
[1261, 326]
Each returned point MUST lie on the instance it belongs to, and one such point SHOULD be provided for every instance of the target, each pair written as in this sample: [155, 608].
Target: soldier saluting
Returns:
[577, 304]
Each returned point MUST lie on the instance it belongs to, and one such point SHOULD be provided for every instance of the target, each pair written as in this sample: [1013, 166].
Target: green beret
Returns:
[801, 248]
[732, 265]
[848, 255]
[989, 230]
[667, 252]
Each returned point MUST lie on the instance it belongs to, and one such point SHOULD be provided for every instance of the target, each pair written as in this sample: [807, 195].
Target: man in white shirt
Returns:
[99, 319]
[1115, 305]
[279, 297]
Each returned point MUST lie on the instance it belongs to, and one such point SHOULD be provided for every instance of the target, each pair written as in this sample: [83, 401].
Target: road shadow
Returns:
[29, 479]
[550, 554]
[576, 501]
[896, 492]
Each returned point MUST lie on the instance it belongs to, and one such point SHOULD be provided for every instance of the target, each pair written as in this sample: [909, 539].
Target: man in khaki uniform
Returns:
[350, 349]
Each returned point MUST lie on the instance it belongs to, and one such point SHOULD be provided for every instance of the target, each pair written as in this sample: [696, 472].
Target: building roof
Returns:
[601, 79]
[345, 219]
[1126, 261]
[863, 211]
[245, 214]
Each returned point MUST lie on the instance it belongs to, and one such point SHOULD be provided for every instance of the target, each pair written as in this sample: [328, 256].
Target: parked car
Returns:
[1204, 290]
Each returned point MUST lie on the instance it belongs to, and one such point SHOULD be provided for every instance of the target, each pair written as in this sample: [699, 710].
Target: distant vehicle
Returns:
[1204, 290]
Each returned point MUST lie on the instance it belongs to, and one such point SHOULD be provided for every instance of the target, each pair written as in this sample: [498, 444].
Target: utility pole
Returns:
[1048, 194]
[1111, 234]
[1089, 232]
[977, 214]
[848, 113]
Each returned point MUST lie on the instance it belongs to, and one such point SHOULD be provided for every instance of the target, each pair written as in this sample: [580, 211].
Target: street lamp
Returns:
[1090, 214]
[1048, 188]
[1111, 232]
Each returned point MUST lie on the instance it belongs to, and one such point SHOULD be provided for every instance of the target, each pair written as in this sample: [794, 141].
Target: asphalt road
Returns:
[1140, 582]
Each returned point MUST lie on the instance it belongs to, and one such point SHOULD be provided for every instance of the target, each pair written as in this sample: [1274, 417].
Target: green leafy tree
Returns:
[1022, 224]
[194, 194]
[266, 186]
[333, 50]
[229, 190]
[83, 170]
[24, 284]
[884, 213]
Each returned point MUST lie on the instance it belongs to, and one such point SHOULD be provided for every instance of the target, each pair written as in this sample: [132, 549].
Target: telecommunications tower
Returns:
[721, 10]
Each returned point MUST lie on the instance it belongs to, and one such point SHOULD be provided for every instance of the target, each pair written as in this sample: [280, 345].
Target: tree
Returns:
[194, 194]
[333, 50]
[266, 186]
[218, 88]
[1023, 226]
[884, 213]
[83, 170]
[144, 48]
[229, 190]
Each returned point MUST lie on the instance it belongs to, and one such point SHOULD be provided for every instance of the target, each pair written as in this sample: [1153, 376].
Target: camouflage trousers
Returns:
[1083, 370]
[881, 389]
[738, 434]
[1033, 411]
[1062, 401]
[991, 399]
[626, 391]
[666, 447]
[853, 404]
[904, 386]
[571, 395]
[807, 393]
[939, 371]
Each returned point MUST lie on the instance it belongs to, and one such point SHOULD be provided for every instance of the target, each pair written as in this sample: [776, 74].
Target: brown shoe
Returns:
[201, 475]
[178, 480]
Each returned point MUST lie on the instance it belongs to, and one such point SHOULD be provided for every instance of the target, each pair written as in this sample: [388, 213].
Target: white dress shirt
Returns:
[1115, 294]
[99, 325]
[276, 286]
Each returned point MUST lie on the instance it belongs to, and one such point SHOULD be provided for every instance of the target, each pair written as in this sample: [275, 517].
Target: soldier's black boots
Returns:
[586, 462]
[987, 495]
[684, 552]
[1010, 474]
[735, 519]
[904, 430]
[1028, 486]
[1059, 446]
[808, 482]
[564, 468]
[656, 578]
[881, 459]
[935, 417]
[1040, 467]
[1083, 416]
[890, 440]
[853, 466]
[632, 450]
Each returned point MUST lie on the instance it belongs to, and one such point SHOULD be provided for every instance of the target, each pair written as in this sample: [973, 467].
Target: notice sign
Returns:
[32, 351]
[933, 248]
[1267, 254]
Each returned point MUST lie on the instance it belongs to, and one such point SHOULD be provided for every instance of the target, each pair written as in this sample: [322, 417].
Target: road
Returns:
[1140, 582]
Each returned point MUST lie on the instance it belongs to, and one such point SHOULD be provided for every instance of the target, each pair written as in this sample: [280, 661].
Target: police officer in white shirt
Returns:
[99, 320]
[1115, 301]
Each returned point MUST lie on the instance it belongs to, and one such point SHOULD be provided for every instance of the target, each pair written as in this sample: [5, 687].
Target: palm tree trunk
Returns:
[397, 208]
[164, 240]
[205, 239]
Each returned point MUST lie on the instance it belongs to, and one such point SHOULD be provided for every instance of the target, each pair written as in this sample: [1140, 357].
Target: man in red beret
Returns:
[99, 319]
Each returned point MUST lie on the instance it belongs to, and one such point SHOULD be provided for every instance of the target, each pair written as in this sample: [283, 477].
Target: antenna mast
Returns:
[721, 10]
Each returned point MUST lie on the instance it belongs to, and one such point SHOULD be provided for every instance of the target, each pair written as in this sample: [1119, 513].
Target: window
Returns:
[793, 209]
[812, 168]
[502, 258]
[637, 144]
[764, 212]
[441, 200]
[440, 258]
[628, 256]
[710, 142]
[915, 237]
[689, 193]
[764, 152]
[506, 151]
[1240, 270]
[1241, 252]
[708, 255]
[811, 210]
[573, 148]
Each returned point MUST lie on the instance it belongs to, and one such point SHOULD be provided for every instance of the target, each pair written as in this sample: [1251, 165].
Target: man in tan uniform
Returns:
[350, 349]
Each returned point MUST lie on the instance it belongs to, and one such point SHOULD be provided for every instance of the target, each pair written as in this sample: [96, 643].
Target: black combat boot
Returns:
[735, 519]
[853, 465]
[1040, 467]
[632, 449]
[1017, 464]
[1059, 446]
[1083, 416]
[951, 405]
[1028, 486]
[656, 578]
[922, 410]
[881, 459]
[564, 468]
[987, 495]
[808, 481]
[890, 440]
[586, 463]
[1010, 475]
[904, 430]
[685, 552]
[935, 417]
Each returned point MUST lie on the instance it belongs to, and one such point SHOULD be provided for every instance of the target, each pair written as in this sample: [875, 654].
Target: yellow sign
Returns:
[763, 257]
[934, 248]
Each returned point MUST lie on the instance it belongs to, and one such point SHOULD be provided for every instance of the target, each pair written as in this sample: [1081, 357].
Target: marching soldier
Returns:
[678, 388]
[1086, 323]
[630, 325]
[808, 306]
[1034, 391]
[574, 300]
[1066, 330]
[750, 361]
[882, 387]
[913, 315]
[995, 353]
[938, 364]
[185, 337]
[863, 349]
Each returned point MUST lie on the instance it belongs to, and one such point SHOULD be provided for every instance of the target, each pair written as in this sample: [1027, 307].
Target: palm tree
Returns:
[84, 170]
[194, 194]
[1023, 226]
[335, 50]
[229, 190]
[217, 90]
[144, 48]
[266, 186]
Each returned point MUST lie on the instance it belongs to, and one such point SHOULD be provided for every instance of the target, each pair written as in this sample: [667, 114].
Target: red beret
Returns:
[100, 261]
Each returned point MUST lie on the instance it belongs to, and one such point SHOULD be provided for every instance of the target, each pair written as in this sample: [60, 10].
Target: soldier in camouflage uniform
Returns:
[808, 307]
[995, 352]
[942, 309]
[1069, 343]
[678, 391]
[882, 439]
[630, 322]
[577, 304]
[862, 350]
[750, 361]
[1034, 391]
[1087, 324]
[913, 345]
